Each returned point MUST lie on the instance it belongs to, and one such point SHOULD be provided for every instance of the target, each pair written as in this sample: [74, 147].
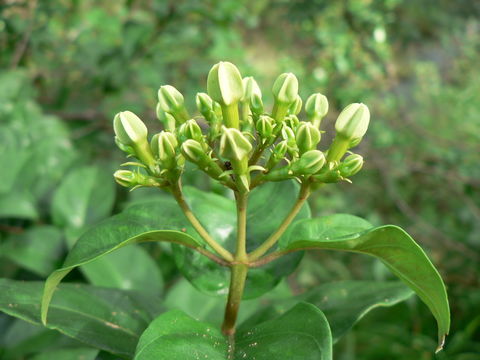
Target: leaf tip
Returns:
[441, 343]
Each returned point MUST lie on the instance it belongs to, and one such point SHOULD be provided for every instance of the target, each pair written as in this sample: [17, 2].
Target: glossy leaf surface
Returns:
[107, 319]
[301, 333]
[393, 246]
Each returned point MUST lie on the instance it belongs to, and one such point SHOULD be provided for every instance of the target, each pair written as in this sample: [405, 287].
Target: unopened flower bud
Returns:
[256, 104]
[250, 87]
[164, 146]
[292, 122]
[129, 129]
[307, 137]
[289, 135]
[193, 151]
[234, 145]
[129, 178]
[316, 108]
[264, 126]
[190, 130]
[166, 119]
[204, 103]
[285, 89]
[309, 163]
[171, 101]
[351, 165]
[224, 83]
[278, 154]
[352, 123]
[296, 106]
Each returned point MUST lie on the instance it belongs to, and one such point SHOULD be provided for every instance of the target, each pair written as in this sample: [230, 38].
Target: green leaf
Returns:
[82, 353]
[108, 319]
[267, 207]
[301, 333]
[84, 197]
[18, 204]
[37, 249]
[393, 246]
[132, 226]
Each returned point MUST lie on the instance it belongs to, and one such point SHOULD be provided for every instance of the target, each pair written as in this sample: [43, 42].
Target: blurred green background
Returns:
[66, 67]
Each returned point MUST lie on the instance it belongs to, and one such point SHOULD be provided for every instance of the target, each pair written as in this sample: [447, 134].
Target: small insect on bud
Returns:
[264, 126]
[296, 106]
[224, 83]
[164, 145]
[352, 123]
[309, 163]
[190, 130]
[307, 137]
[351, 165]
[129, 129]
[316, 108]
[234, 145]
[171, 101]
[204, 103]
[285, 89]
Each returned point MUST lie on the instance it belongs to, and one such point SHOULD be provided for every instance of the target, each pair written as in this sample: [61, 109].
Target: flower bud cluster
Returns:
[236, 140]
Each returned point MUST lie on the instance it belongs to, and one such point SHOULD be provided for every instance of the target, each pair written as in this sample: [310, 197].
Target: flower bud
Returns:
[234, 145]
[351, 165]
[250, 87]
[289, 135]
[164, 146]
[309, 163]
[204, 103]
[256, 104]
[285, 89]
[296, 106]
[316, 108]
[353, 121]
[264, 126]
[171, 101]
[190, 130]
[307, 137]
[129, 129]
[194, 152]
[166, 119]
[129, 178]
[278, 154]
[292, 122]
[224, 83]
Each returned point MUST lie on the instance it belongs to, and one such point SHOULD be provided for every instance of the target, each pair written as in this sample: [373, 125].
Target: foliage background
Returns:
[66, 67]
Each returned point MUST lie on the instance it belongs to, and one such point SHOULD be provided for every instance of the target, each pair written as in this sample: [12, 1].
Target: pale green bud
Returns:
[296, 106]
[194, 152]
[289, 135]
[307, 137]
[351, 165]
[204, 103]
[278, 154]
[250, 87]
[164, 146]
[224, 83]
[285, 89]
[256, 104]
[292, 122]
[353, 121]
[129, 178]
[316, 107]
[354, 142]
[264, 126]
[190, 130]
[170, 99]
[166, 119]
[309, 163]
[234, 145]
[129, 129]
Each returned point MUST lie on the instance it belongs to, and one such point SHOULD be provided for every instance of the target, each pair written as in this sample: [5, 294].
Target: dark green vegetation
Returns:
[67, 67]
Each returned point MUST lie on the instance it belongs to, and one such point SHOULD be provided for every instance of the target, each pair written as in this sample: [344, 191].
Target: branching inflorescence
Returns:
[244, 147]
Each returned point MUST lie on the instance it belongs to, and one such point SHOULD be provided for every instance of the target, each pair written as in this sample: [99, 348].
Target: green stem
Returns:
[338, 148]
[262, 249]
[279, 112]
[230, 116]
[178, 195]
[237, 285]
[241, 248]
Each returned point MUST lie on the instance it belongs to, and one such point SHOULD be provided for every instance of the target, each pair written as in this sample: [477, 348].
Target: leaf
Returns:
[108, 319]
[18, 205]
[37, 249]
[80, 353]
[393, 246]
[84, 197]
[301, 333]
[132, 226]
[267, 207]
